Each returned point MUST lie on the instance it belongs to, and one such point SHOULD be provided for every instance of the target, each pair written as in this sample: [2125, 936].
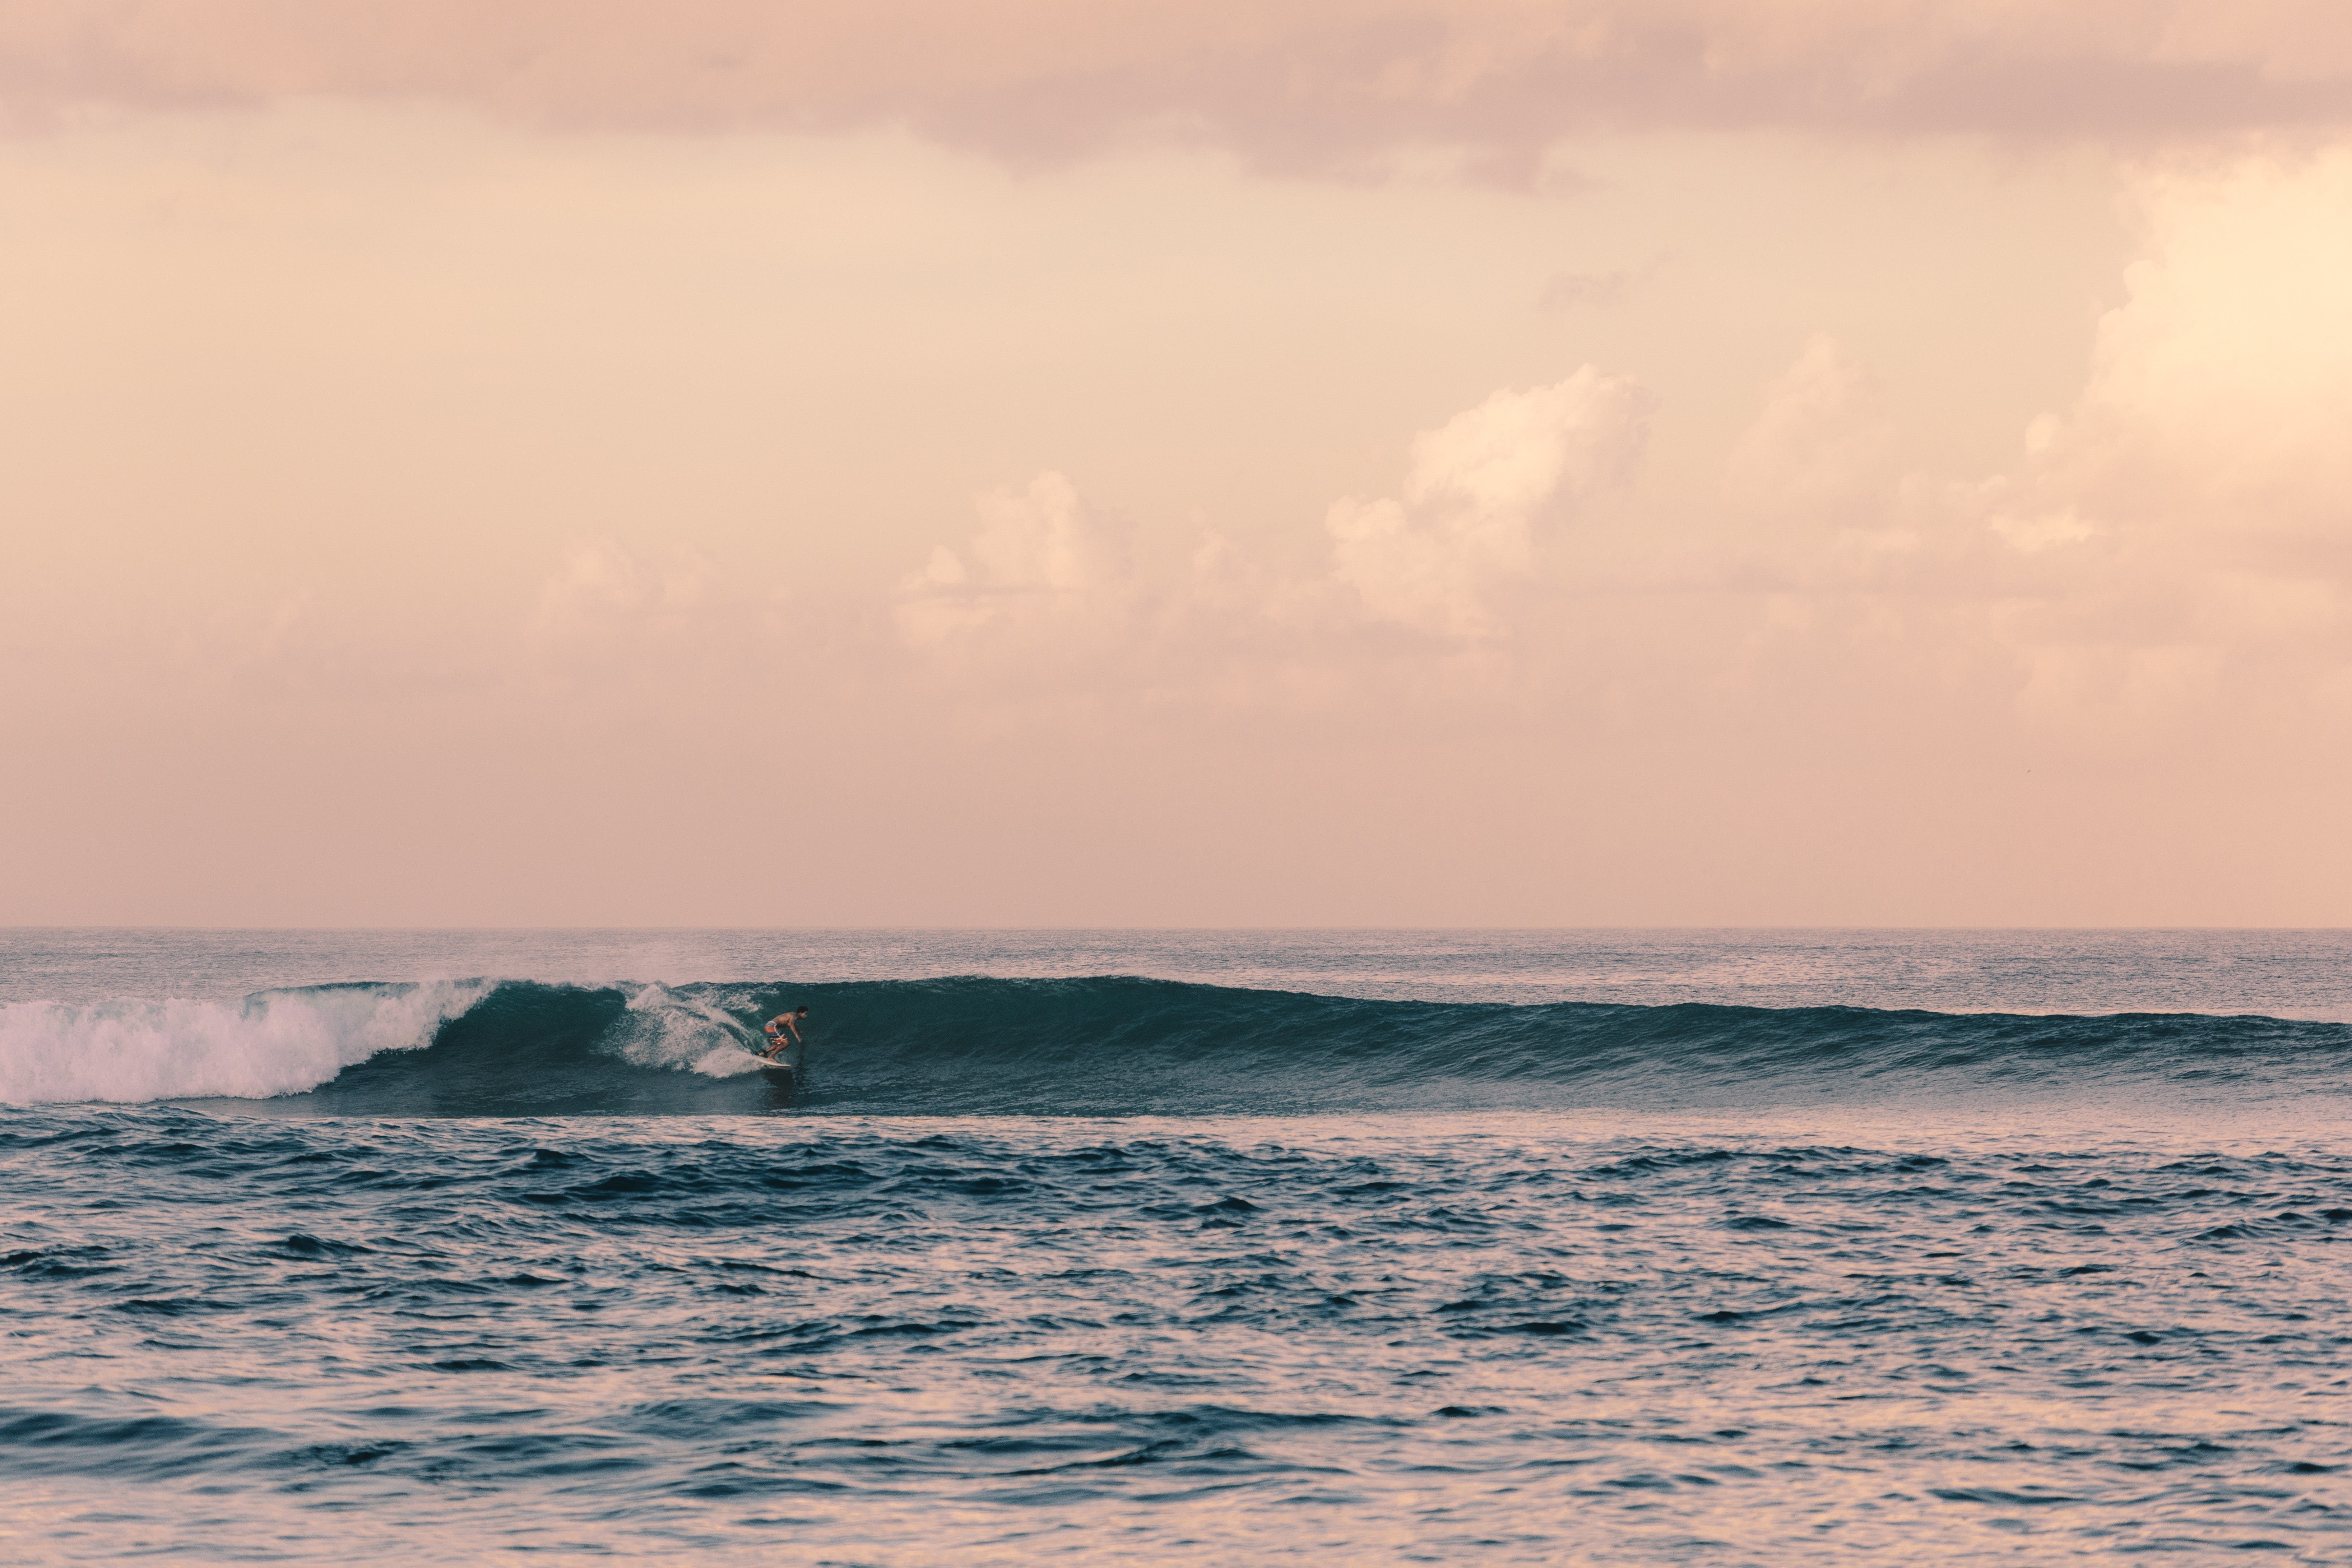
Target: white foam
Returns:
[663, 1029]
[277, 1042]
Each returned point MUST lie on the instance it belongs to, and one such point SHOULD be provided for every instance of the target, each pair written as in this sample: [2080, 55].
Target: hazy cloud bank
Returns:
[1307, 83]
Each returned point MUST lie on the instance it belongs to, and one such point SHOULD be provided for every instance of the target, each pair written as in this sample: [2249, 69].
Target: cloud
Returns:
[1044, 564]
[1817, 457]
[1603, 290]
[1302, 84]
[1794, 651]
[2169, 560]
[601, 585]
[609, 620]
[1044, 612]
[1480, 493]
[2219, 391]
[2171, 557]
[1047, 605]
[2203, 468]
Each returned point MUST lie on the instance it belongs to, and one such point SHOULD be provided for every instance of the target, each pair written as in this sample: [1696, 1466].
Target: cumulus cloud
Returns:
[601, 585]
[608, 617]
[1303, 82]
[2190, 511]
[1820, 432]
[2169, 556]
[2159, 584]
[1044, 562]
[2219, 391]
[1047, 594]
[1481, 493]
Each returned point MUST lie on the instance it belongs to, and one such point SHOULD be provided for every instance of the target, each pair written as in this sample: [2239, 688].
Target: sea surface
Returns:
[1231, 1247]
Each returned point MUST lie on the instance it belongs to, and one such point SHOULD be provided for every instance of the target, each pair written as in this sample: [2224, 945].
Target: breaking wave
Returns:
[272, 1043]
[1106, 1046]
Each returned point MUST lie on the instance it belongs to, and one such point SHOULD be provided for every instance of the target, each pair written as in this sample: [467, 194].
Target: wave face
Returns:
[1095, 1046]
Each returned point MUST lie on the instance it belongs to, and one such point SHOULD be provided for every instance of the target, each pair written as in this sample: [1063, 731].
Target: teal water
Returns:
[1165, 1248]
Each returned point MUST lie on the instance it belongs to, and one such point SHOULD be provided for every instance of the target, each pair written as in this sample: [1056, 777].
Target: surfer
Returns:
[783, 1029]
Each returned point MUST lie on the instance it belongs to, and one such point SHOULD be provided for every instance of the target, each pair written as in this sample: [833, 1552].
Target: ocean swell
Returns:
[1104, 1046]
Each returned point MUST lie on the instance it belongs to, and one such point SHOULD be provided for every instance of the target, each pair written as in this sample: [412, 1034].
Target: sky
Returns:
[1493, 464]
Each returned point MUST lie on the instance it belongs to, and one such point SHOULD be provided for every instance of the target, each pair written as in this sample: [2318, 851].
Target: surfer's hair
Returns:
[798, 1011]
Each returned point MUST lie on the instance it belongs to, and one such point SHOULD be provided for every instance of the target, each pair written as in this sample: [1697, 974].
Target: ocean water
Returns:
[1216, 1246]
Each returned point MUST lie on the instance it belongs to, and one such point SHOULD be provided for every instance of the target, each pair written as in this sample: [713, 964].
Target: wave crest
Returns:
[1103, 1046]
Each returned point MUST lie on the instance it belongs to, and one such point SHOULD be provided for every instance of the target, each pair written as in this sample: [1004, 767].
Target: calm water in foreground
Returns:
[1613, 1248]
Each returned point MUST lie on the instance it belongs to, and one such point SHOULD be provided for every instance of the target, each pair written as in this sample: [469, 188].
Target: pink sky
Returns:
[1053, 464]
